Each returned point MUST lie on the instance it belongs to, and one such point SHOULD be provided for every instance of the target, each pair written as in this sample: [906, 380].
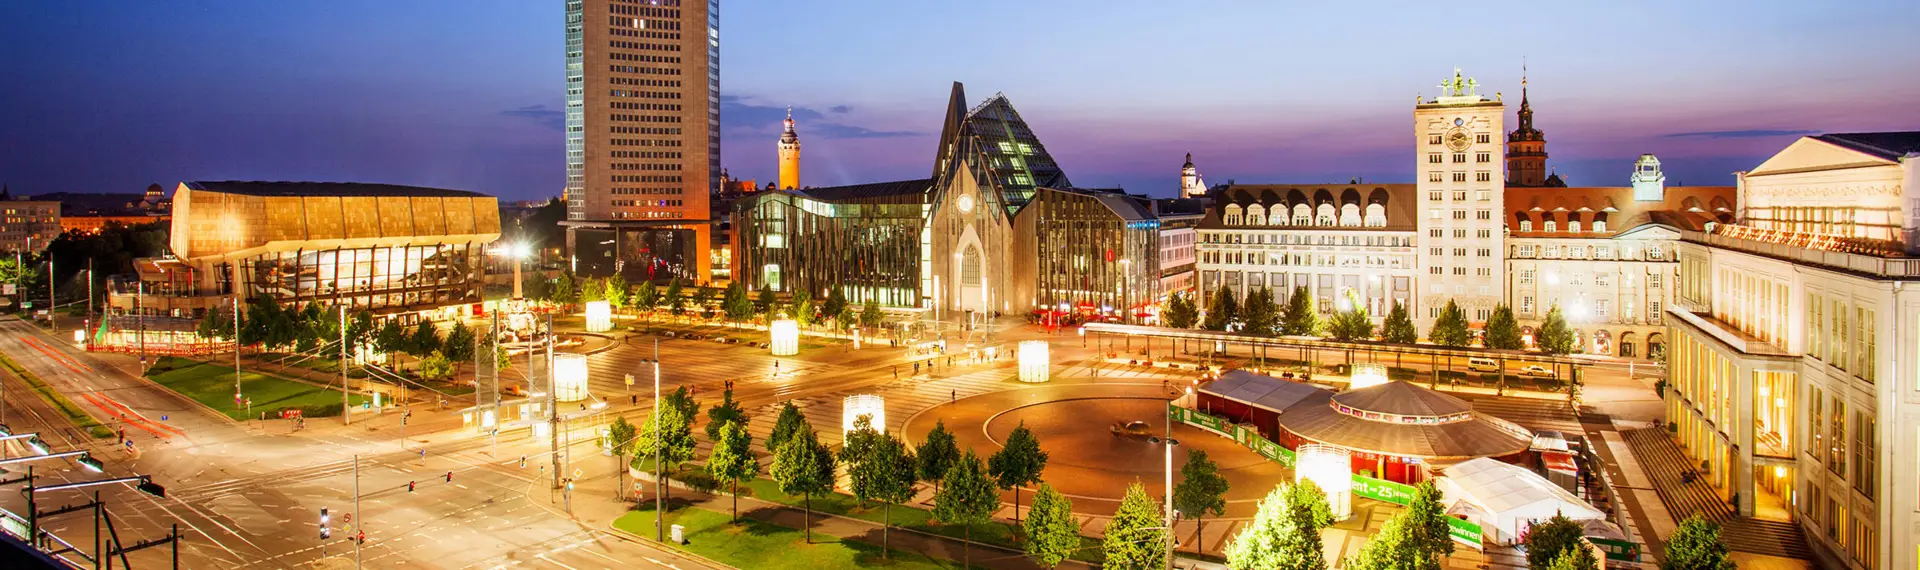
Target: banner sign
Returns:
[1382, 490]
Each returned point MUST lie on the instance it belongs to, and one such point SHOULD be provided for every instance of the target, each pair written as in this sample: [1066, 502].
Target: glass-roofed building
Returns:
[997, 229]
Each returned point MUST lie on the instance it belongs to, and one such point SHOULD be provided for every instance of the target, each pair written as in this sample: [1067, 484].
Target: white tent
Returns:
[1505, 499]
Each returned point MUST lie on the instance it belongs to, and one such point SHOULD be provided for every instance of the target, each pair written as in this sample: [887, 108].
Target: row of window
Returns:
[1459, 271]
[1601, 278]
[644, 94]
[1460, 157]
[618, 130]
[644, 142]
[1439, 214]
[646, 178]
[1435, 138]
[1458, 251]
[1306, 239]
[1459, 195]
[1841, 336]
[655, 203]
[1304, 259]
[1459, 233]
[1604, 252]
[1350, 215]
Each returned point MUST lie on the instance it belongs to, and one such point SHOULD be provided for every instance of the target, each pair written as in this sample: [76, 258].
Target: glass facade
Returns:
[1098, 252]
[865, 238]
[399, 277]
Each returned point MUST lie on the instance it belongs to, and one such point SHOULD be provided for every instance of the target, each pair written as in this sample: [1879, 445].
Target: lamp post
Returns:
[518, 253]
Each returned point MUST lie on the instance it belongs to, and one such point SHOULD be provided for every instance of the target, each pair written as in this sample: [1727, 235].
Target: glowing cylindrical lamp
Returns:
[872, 406]
[599, 316]
[1034, 361]
[569, 377]
[1331, 468]
[786, 337]
[1365, 375]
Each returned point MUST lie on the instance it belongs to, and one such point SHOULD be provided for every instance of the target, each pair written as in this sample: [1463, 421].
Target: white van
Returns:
[1483, 364]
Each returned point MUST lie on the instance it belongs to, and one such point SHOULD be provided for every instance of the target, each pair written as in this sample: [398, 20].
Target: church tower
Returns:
[789, 156]
[1190, 184]
[1526, 147]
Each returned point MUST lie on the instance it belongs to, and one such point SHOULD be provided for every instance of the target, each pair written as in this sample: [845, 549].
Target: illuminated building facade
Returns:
[387, 248]
[643, 136]
[1606, 256]
[1329, 238]
[1459, 159]
[1792, 380]
[28, 226]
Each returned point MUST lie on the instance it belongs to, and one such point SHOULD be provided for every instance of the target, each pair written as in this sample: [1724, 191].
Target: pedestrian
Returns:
[896, 372]
[635, 399]
[954, 397]
[916, 368]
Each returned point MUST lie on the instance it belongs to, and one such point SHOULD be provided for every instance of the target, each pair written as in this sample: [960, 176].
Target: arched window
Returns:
[970, 267]
[1600, 226]
[1350, 215]
[1324, 216]
[1573, 226]
[1526, 225]
[1550, 227]
[1233, 215]
[1302, 215]
[1256, 215]
[1376, 216]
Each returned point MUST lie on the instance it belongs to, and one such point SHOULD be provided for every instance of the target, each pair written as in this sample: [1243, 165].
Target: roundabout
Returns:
[1087, 460]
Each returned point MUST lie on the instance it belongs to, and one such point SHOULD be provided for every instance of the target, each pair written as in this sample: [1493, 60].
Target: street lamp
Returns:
[1034, 360]
[518, 253]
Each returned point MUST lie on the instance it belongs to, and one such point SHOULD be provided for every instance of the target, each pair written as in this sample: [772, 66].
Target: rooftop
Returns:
[1887, 145]
[917, 187]
[1685, 207]
[355, 189]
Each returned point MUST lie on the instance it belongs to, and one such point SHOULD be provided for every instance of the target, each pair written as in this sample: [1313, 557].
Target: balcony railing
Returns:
[1790, 248]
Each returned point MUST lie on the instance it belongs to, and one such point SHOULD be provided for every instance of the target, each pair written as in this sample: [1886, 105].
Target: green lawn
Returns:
[910, 517]
[213, 385]
[756, 544]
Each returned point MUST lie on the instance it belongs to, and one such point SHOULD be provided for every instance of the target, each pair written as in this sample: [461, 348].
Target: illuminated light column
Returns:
[786, 337]
[872, 406]
[1365, 375]
[1034, 361]
[569, 377]
[1331, 468]
[599, 316]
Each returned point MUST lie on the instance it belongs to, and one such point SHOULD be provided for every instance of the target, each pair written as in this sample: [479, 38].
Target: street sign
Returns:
[7, 289]
[629, 379]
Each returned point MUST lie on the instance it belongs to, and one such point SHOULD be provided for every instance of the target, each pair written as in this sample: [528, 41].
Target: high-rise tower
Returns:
[1526, 147]
[643, 135]
[1460, 193]
[789, 156]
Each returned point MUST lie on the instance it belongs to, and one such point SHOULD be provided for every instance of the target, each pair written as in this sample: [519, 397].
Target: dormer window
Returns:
[1573, 226]
[1551, 227]
[1526, 225]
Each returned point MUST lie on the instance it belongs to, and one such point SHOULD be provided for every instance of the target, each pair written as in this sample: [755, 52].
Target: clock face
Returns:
[1459, 139]
[966, 203]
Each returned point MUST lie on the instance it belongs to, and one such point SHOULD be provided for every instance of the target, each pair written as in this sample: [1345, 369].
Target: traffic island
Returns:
[753, 543]
[212, 386]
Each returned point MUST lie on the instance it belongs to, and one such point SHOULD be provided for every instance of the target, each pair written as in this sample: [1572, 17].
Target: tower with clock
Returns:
[1461, 184]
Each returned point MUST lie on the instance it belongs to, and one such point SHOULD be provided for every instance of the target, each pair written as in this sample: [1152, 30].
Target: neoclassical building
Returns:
[1792, 369]
[1329, 238]
[1605, 255]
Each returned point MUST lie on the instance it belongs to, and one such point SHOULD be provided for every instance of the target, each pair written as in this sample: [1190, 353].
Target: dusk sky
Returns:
[110, 96]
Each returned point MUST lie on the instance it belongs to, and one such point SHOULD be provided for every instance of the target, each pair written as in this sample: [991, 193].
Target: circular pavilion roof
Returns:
[1403, 419]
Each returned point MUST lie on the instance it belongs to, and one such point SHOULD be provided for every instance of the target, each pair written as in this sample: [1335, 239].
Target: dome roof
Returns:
[1401, 398]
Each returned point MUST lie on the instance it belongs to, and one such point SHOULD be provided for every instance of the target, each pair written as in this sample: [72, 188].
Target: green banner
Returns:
[1464, 531]
[1382, 490]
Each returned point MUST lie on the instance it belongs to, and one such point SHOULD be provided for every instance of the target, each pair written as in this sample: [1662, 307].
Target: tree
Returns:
[646, 297]
[621, 436]
[360, 329]
[870, 315]
[1135, 539]
[802, 307]
[1555, 337]
[845, 319]
[459, 343]
[1696, 546]
[804, 466]
[1391, 549]
[737, 306]
[436, 366]
[1302, 316]
[1283, 534]
[1201, 490]
[1547, 540]
[885, 474]
[703, 301]
[936, 455]
[668, 434]
[391, 340]
[425, 340]
[836, 301]
[766, 302]
[732, 460]
[1581, 558]
[723, 413]
[857, 446]
[1180, 313]
[1258, 314]
[790, 422]
[1019, 462]
[592, 289]
[1355, 323]
[564, 291]
[1398, 327]
[1427, 522]
[1220, 310]
[211, 325]
[683, 400]
[674, 298]
[1052, 532]
[1502, 330]
[967, 499]
[616, 291]
[1451, 328]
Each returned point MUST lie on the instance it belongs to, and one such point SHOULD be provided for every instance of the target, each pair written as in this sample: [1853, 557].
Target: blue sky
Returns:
[111, 96]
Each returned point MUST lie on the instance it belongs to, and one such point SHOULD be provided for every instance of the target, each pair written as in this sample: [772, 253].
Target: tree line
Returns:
[1260, 314]
[311, 328]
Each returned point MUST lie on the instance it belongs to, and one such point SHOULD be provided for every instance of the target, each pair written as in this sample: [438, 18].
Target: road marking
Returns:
[590, 551]
[555, 562]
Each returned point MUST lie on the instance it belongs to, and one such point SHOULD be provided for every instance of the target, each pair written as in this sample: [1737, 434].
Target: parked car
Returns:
[1536, 371]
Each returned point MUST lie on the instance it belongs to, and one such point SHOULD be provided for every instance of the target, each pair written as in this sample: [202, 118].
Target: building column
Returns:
[1741, 456]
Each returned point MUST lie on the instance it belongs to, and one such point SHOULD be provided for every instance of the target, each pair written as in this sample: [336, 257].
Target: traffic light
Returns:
[361, 538]
[150, 488]
[410, 486]
[326, 531]
[449, 476]
[90, 463]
